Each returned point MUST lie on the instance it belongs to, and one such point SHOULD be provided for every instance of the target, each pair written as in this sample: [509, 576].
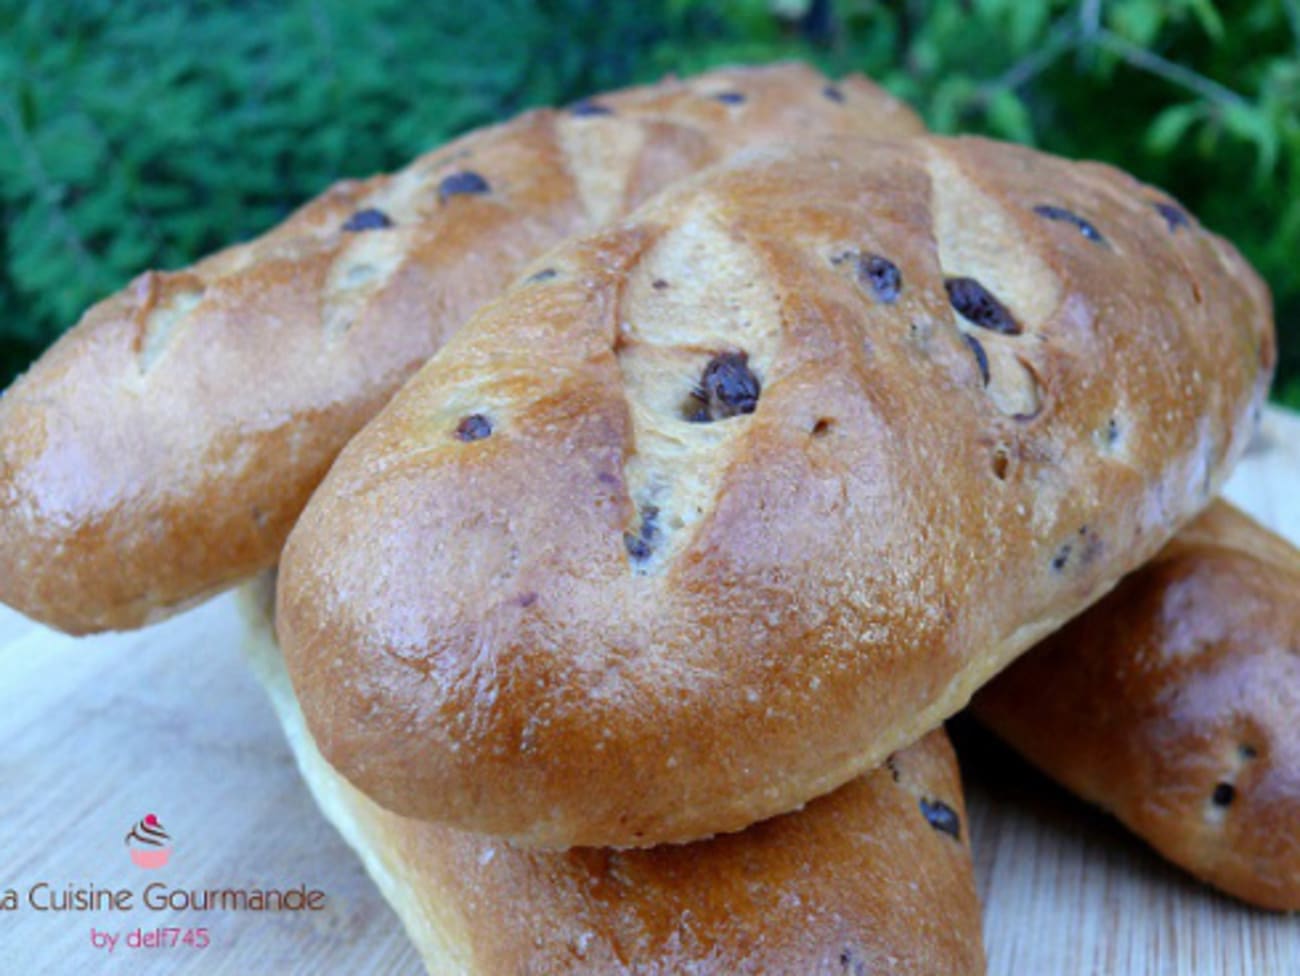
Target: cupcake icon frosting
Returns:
[149, 844]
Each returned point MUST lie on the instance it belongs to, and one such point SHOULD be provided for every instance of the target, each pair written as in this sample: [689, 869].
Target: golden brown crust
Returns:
[716, 622]
[1175, 703]
[163, 448]
[859, 882]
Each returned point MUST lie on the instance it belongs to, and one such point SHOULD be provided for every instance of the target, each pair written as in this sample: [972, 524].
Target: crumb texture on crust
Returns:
[875, 878]
[782, 467]
[1174, 704]
[163, 448]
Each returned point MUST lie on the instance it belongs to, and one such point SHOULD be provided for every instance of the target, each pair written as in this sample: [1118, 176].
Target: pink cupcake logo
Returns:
[149, 844]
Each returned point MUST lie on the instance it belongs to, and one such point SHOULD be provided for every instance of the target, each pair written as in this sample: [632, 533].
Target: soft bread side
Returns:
[163, 448]
[1175, 704]
[875, 878]
[568, 589]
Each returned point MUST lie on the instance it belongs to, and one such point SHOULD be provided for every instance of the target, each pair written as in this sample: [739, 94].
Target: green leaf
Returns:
[1170, 125]
[949, 102]
[1136, 20]
[1028, 21]
[1249, 124]
[1208, 18]
[1009, 118]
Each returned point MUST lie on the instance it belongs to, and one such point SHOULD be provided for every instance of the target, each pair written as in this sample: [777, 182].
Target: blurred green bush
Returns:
[138, 133]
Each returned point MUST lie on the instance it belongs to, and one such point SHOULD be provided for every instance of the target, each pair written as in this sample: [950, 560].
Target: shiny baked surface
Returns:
[760, 484]
[1175, 705]
[874, 878]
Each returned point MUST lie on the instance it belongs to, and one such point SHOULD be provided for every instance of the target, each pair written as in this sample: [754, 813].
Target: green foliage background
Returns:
[137, 133]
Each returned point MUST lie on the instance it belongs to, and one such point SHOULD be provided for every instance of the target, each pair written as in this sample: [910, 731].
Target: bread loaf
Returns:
[1174, 705]
[755, 487]
[162, 449]
[875, 878]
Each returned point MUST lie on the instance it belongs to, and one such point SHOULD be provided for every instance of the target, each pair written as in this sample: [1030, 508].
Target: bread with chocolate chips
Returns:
[755, 511]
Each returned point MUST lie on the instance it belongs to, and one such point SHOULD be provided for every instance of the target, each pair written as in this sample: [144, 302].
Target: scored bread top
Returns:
[162, 449]
[758, 485]
[1174, 705]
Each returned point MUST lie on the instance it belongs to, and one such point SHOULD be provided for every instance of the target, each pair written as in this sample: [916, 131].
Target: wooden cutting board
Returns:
[99, 732]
